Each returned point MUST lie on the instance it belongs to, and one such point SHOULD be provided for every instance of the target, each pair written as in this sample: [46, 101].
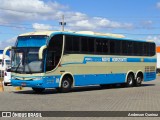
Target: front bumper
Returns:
[48, 82]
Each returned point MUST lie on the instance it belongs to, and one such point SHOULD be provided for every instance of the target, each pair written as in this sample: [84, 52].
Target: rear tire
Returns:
[38, 90]
[130, 80]
[66, 84]
[138, 81]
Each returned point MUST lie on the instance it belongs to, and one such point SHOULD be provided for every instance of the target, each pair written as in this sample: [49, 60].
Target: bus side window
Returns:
[135, 49]
[112, 47]
[140, 48]
[91, 45]
[68, 44]
[152, 49]
[145, 49]
[99, 47]
[75, 44]
[118, 48]
[105, 46]
[124, 47]
[130, 47]
[72, 44]
[148, 49]
[54, 52]
[84, 44]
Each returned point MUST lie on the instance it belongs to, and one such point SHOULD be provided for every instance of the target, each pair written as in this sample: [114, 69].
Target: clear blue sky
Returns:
[137, 19]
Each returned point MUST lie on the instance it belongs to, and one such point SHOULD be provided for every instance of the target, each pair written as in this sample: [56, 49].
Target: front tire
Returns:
[130, 80]
[38, 90]
[66, 84]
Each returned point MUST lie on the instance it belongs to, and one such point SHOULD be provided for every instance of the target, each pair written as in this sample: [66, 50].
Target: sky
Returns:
[135, 19]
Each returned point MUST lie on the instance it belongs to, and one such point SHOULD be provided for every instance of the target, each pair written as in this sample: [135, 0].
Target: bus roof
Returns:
[48, 33]
[83, 33]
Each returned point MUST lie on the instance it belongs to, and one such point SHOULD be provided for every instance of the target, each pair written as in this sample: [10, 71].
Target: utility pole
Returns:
[62, 23]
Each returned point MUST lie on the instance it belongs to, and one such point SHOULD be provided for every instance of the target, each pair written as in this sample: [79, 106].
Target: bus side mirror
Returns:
[5, 51]
[41, 51]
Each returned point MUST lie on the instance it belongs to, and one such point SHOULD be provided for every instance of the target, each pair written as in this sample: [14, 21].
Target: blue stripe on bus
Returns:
[93, 79]
[112, 59]
[117, 59]
[80, 80]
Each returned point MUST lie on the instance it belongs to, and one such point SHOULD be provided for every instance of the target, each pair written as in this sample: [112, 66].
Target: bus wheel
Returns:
[138, 81]
[130, 80]
[66, 84]
[38, 90]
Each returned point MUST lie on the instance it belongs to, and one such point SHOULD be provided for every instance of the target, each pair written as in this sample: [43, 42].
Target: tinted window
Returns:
[140, 49]
[54, 52]
[112, 47]
[99, 47]
[130, 48]
[136, 50]
[68, 43]
[145, 49]
[118, 49]
[105, 46]
[72, 43]
[127, 48]
[152, 49]
[84, 44]
[91, 45]
[75, 44]
[102, 46]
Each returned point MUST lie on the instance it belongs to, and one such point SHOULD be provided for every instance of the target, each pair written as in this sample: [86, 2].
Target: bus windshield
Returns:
[25, 56]
[25, 60]
[32, 41]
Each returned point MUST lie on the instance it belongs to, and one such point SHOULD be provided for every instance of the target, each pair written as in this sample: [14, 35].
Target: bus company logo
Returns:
[119, 59]
[104, 59]
[88, 59]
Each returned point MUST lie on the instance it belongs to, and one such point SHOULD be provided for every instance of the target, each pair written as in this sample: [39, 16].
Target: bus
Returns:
[63, 60]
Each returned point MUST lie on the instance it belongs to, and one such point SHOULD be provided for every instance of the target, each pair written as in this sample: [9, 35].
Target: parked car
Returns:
[7, 77]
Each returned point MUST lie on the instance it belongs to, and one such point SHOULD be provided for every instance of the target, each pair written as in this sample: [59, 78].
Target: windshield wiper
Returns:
[18, 66]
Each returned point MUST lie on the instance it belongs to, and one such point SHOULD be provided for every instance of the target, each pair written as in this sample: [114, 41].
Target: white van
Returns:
[7, 77]
[6, 63]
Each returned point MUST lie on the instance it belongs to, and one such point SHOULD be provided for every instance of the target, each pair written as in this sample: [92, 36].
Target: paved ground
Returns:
[144, 98]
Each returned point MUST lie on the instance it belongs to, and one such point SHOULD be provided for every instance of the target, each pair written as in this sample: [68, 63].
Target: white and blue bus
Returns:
[63, 60]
